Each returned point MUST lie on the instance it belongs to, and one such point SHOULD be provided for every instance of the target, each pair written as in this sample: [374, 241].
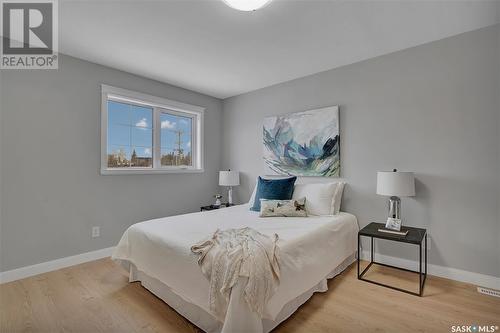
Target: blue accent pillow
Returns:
[273, 189]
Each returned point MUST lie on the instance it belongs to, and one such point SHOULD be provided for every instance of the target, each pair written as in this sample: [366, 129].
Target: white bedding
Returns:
[310, 248]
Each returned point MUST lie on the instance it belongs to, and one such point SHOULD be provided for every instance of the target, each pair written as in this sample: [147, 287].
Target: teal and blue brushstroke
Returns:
[317, 158]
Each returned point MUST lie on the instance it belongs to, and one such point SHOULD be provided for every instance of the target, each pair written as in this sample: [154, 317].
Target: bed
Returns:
[312, 249]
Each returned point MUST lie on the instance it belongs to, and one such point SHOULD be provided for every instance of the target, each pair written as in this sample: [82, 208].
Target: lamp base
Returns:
[395, 207]
[230, 196]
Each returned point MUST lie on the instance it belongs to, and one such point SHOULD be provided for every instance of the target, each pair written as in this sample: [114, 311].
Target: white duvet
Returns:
[310, 248]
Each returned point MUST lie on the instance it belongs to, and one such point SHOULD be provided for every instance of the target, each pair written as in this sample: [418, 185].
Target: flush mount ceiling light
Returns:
[246, 5]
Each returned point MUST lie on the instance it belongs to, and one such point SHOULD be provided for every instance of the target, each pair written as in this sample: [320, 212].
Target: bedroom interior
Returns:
[250, 166]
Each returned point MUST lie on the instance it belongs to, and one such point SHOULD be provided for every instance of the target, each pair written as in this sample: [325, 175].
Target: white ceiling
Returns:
[205, 46]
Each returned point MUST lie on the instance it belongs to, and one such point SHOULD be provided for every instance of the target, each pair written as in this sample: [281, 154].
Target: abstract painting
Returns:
[303, 143]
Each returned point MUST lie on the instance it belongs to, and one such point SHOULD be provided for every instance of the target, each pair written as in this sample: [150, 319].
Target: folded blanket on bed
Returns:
[234, 253]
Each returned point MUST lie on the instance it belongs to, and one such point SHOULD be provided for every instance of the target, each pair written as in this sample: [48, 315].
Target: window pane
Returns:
[130, 135]
[119, 135]
[142, 157]
[175, 138]
[118, 156]
[118, 113]
[141, 117]
[142, 137]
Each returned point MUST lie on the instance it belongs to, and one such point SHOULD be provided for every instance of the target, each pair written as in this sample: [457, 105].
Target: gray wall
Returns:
[52, 191]
[498, 142]
[432, 109]
[1, 185]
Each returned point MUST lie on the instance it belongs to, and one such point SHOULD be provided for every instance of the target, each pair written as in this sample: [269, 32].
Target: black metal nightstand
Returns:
[212, 207]
[417, 236]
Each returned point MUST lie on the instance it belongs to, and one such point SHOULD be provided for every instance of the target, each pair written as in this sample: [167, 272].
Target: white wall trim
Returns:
[478, 279]
[44, 267]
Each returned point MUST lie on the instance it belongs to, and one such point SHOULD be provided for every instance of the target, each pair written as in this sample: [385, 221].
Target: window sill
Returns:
[106, 172]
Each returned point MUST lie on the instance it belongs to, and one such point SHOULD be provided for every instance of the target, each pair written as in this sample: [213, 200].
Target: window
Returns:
[147, 134]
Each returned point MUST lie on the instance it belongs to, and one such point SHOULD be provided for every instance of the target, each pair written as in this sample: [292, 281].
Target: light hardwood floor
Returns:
[96, 297]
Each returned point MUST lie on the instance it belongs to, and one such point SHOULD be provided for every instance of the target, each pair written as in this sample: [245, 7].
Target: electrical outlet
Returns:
[429, 242]
[96, 232]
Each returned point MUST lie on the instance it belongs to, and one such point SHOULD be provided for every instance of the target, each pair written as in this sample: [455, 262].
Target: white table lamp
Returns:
[229, 178]
[395, 184]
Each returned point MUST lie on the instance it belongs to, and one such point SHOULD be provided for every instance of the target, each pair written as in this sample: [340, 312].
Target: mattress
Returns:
[310, 248]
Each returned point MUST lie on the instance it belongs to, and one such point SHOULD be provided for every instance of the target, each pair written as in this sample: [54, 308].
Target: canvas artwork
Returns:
[303, 143]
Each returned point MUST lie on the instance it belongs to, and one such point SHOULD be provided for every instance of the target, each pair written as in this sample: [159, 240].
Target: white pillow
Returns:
[252, 197]
[337, 197]
[321, 198]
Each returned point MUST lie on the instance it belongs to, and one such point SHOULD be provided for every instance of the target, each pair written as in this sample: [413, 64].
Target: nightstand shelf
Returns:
[416, 236]
[213, 207]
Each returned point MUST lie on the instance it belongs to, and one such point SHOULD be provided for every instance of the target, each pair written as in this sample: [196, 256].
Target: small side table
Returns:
[417, 236]
[212, 207]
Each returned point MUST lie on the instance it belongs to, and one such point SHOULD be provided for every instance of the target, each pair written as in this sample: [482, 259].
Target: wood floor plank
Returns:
[96, 297]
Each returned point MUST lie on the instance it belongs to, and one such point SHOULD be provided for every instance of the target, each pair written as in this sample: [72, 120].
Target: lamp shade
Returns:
[229, 178]
[395, 183]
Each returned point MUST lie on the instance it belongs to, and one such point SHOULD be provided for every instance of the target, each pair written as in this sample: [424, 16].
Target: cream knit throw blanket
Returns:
[232, 253]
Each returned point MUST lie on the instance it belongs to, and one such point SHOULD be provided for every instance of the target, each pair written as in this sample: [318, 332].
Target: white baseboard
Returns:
[478, 279]
[44, 267]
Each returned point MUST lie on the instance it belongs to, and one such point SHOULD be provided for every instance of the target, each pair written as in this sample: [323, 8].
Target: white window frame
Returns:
[159, 106]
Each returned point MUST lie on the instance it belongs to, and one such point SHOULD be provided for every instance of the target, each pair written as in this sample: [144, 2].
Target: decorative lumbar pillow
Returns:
[273, 189]
[285, 208]
[322, 198]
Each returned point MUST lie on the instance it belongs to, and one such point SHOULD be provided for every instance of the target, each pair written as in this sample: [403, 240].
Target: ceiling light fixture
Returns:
[247, 5]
